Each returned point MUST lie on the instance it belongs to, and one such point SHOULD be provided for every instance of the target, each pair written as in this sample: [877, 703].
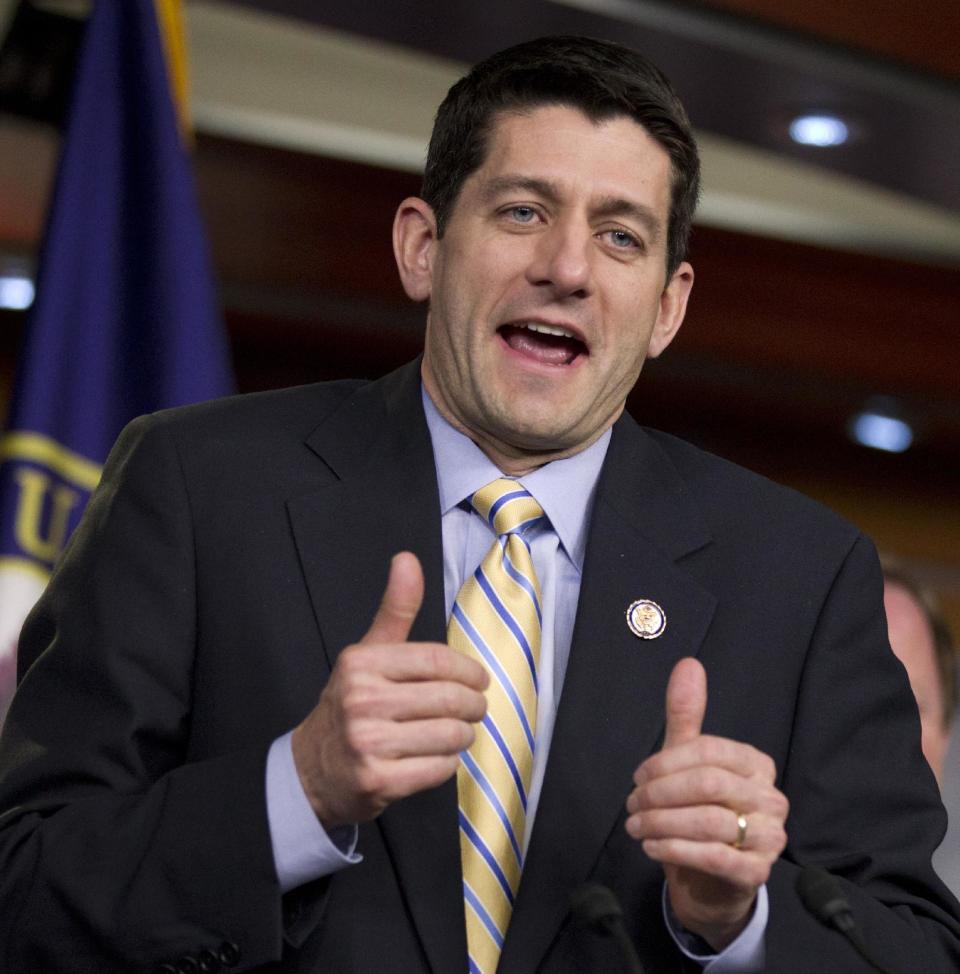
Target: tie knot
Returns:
[506, 506]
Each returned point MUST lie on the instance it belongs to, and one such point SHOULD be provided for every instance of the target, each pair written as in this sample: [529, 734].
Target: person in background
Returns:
[921, 638]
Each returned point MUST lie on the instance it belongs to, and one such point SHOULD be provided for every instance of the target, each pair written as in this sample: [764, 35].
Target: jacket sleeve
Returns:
[864, 804]
[117, 852]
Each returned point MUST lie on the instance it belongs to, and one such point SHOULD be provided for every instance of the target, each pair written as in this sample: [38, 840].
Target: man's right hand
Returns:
[394, 716]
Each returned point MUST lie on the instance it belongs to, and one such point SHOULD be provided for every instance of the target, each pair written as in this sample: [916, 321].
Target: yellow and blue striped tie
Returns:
[497, 619]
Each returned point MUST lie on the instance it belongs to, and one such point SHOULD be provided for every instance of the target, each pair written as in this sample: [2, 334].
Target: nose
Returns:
[562, 260]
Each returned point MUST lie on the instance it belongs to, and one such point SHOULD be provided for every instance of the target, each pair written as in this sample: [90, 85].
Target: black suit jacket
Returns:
[233, 549]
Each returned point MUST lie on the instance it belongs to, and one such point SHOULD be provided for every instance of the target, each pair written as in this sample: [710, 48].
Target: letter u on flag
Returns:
[125, 319]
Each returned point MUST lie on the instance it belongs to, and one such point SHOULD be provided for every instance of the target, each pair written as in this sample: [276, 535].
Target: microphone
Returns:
[593, 905]
[823, 896]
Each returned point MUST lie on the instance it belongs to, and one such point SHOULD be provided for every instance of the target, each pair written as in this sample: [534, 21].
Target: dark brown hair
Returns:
[600, 78]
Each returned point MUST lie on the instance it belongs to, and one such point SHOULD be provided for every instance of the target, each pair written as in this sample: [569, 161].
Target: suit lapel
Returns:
[610, 715]
[382, 498]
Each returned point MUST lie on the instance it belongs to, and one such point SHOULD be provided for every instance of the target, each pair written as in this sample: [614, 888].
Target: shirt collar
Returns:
[564, 488]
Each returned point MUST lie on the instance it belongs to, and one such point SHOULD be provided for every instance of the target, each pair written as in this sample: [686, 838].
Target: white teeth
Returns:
[548, 329]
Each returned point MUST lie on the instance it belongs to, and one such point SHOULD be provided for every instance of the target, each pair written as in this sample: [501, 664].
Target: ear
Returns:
[414, 236]
[673, 306]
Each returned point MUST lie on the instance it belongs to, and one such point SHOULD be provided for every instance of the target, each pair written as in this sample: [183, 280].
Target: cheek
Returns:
[474, 295]
[632, 342]
[630, 305]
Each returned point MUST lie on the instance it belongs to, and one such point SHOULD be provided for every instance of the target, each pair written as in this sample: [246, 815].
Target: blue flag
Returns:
[125, 319]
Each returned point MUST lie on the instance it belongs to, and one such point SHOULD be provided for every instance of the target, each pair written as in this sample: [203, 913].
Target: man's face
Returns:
[912, 641]
[548, 289]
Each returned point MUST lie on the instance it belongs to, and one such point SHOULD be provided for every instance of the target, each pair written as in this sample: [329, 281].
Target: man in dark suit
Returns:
[231, 582]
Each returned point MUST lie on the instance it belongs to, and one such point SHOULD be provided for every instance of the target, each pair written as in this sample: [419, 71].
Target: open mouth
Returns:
[547, 344]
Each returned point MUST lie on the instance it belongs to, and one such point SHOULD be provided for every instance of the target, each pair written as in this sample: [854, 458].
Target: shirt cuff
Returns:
[745, 955]
[303, 850]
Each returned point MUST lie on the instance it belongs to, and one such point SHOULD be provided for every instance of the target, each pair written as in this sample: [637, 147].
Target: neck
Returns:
[511, 460]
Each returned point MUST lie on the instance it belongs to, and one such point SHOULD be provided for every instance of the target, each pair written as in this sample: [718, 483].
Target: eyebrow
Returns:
[606, 206]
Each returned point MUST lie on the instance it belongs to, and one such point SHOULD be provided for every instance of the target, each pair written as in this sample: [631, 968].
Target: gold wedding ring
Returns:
[741, 831]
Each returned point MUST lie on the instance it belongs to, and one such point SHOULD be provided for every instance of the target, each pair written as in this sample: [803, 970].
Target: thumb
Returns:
[686, 702]
[401, 601]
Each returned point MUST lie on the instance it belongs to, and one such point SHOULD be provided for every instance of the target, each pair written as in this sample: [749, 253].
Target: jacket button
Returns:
[187, 965]
[229, 954]
[209, 962]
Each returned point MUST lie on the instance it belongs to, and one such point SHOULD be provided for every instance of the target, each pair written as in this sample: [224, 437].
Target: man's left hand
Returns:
[685, 807]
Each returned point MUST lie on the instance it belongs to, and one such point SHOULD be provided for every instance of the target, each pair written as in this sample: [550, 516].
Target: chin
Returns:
[546, 436]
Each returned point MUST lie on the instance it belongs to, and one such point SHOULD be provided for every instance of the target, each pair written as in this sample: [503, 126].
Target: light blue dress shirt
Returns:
[565, 490]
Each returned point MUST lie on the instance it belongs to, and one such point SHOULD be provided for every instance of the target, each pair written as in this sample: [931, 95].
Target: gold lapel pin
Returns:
[646, 619]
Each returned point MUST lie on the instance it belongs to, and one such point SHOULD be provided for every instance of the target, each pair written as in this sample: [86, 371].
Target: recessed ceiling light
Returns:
[819, 130]
[16, 292]
[881, 432]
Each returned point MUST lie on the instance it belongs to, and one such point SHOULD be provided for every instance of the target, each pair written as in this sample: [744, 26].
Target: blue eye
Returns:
[522, 214]
[623, 239]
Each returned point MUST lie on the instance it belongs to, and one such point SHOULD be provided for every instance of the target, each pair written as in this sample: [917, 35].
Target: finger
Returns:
[401, 601]
[703, 823]
[402, 701]
[709, 823]
[390, 741]
[439, 699]
[410, 663]
[415, 774]
[709, 751]
[686, 702]
[706, 786]
[748, 870]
